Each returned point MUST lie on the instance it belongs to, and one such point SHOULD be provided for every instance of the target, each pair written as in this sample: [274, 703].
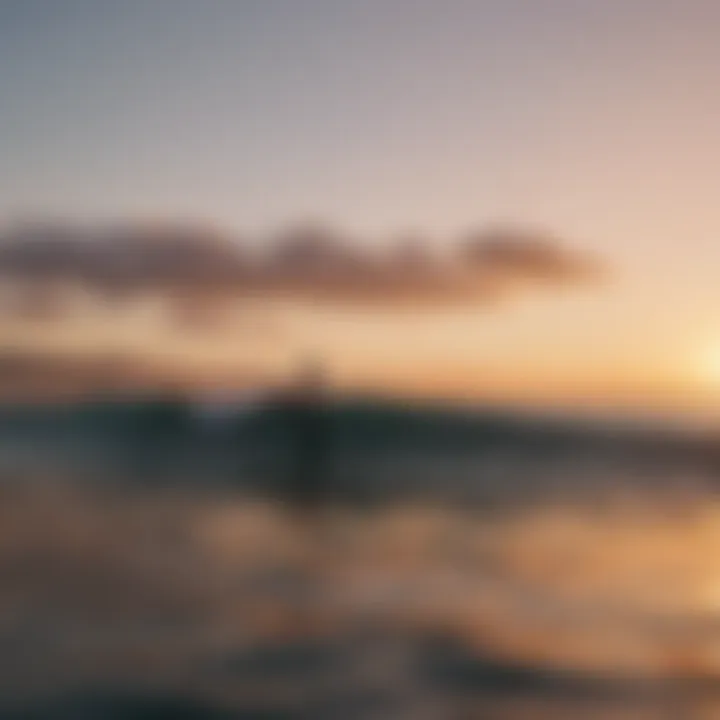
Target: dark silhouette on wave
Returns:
[357, 449]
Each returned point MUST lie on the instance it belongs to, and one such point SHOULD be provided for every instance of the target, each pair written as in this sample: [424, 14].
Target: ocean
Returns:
[465, 563]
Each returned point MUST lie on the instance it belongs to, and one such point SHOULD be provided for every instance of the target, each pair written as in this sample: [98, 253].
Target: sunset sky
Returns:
[595, 120]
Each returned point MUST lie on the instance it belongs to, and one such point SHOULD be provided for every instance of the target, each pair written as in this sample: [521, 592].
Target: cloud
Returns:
[513, 254]
[307, 263]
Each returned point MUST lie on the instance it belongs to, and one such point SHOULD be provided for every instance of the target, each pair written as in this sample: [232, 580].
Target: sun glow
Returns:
[708, 368]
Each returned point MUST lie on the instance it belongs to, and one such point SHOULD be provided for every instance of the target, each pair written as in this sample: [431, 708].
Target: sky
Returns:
[596, 120]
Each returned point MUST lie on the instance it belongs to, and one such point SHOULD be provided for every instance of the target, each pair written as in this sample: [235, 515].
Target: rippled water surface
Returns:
[597, 594]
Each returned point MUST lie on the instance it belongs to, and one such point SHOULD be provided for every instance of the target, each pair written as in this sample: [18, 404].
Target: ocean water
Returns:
[463, 567]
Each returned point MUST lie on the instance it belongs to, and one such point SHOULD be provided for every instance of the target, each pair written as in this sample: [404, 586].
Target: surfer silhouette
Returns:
[309, 441]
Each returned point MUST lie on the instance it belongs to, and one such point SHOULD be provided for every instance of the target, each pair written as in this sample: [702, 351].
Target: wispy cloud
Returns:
[306, 263]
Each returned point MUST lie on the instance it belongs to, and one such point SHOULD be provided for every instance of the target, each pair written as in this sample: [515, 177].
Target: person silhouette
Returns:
[309, 439]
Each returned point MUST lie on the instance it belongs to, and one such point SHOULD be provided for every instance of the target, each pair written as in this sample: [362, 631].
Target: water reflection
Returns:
[457, 568]
[203, 595]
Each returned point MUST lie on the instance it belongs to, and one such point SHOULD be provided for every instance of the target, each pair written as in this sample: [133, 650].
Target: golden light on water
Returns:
[562, 587]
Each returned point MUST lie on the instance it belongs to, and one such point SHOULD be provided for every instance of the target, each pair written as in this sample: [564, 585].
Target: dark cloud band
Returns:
[307, 263]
